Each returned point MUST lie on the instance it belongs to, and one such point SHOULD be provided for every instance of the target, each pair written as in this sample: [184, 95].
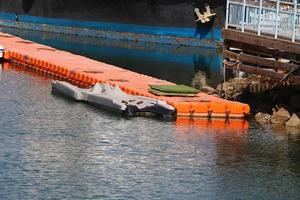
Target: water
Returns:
[54, 148]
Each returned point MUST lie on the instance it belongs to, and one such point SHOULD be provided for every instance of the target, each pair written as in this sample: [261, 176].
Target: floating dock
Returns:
[85, 72]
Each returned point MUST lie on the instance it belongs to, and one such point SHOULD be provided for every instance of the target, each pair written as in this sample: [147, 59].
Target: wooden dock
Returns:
[263, 37]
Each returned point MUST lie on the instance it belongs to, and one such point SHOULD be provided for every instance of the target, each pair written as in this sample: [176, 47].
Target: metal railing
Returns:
[279, 19]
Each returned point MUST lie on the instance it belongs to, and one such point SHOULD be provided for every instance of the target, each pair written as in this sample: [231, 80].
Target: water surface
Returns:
[54, 148]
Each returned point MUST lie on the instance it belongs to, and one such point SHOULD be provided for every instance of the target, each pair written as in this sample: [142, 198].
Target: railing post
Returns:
[259, 17]
[277, 18]
[294, 20]
[227, 14]
[243, 18]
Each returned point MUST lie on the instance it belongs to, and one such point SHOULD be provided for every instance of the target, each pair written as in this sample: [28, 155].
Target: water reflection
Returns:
[235, 125]
[176, 64]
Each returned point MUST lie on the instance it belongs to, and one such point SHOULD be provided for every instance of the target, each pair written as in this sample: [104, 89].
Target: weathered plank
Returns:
[263, 41]
[254, 49]
[256, 60]
[263, 72]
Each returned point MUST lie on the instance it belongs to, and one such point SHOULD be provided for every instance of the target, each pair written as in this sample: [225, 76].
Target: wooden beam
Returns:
[254, 49]
[255, 70]
[263, 72]
[256, 60]
[263, 41]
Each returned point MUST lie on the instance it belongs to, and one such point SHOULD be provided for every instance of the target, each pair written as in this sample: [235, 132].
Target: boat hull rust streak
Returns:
[85, 72]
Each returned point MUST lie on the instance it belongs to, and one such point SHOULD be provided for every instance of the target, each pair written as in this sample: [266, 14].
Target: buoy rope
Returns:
[235, 65]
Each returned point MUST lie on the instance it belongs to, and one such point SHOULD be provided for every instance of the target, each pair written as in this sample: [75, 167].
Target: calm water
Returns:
[54, 148]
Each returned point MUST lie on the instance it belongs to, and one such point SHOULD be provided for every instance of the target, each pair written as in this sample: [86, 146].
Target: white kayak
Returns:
[112, 97]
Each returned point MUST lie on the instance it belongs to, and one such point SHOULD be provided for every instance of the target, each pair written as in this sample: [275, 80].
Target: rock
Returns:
[226, 90]
[256, 82]
[208, 90]
[225, 87]
[294, 101]
[294, 121]
[280, 117]
[263, 118]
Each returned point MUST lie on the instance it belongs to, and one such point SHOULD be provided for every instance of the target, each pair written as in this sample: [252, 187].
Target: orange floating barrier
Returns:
[235, 110]
[201, 109]
[85, 72]
[218, 109]
[183, 108]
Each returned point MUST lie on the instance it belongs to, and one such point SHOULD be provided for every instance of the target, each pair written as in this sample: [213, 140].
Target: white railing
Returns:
[265, 17]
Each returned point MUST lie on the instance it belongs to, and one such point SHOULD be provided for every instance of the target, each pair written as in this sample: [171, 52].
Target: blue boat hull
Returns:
[162, 21]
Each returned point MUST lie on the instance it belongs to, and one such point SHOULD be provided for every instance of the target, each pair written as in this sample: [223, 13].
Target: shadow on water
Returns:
[181, 65]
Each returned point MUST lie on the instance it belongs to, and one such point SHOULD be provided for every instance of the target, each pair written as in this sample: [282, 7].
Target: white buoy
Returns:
[1, 51]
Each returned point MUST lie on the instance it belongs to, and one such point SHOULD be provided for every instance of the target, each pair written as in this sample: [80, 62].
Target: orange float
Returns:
[85, 72]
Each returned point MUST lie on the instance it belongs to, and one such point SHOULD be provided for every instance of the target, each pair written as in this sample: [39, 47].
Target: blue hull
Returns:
[163, 22]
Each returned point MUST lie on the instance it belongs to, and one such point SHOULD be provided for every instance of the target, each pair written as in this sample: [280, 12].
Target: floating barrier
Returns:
[85, 72]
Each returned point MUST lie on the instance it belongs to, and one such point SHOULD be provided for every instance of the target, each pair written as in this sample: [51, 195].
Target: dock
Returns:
[85, 72]
[263, 38]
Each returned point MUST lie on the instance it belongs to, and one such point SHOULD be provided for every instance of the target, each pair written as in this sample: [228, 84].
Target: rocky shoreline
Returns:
[271, 102]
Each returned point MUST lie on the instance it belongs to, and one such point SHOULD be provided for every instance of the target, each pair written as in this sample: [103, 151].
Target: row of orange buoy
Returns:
[211, 107]
[77, 78]
[49, 69]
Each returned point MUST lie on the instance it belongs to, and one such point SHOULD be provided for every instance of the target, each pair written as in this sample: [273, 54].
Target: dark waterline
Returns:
[54, 148]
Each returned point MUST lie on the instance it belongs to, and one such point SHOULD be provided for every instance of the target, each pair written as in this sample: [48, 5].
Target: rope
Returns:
[233, 65]
[229, 64]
